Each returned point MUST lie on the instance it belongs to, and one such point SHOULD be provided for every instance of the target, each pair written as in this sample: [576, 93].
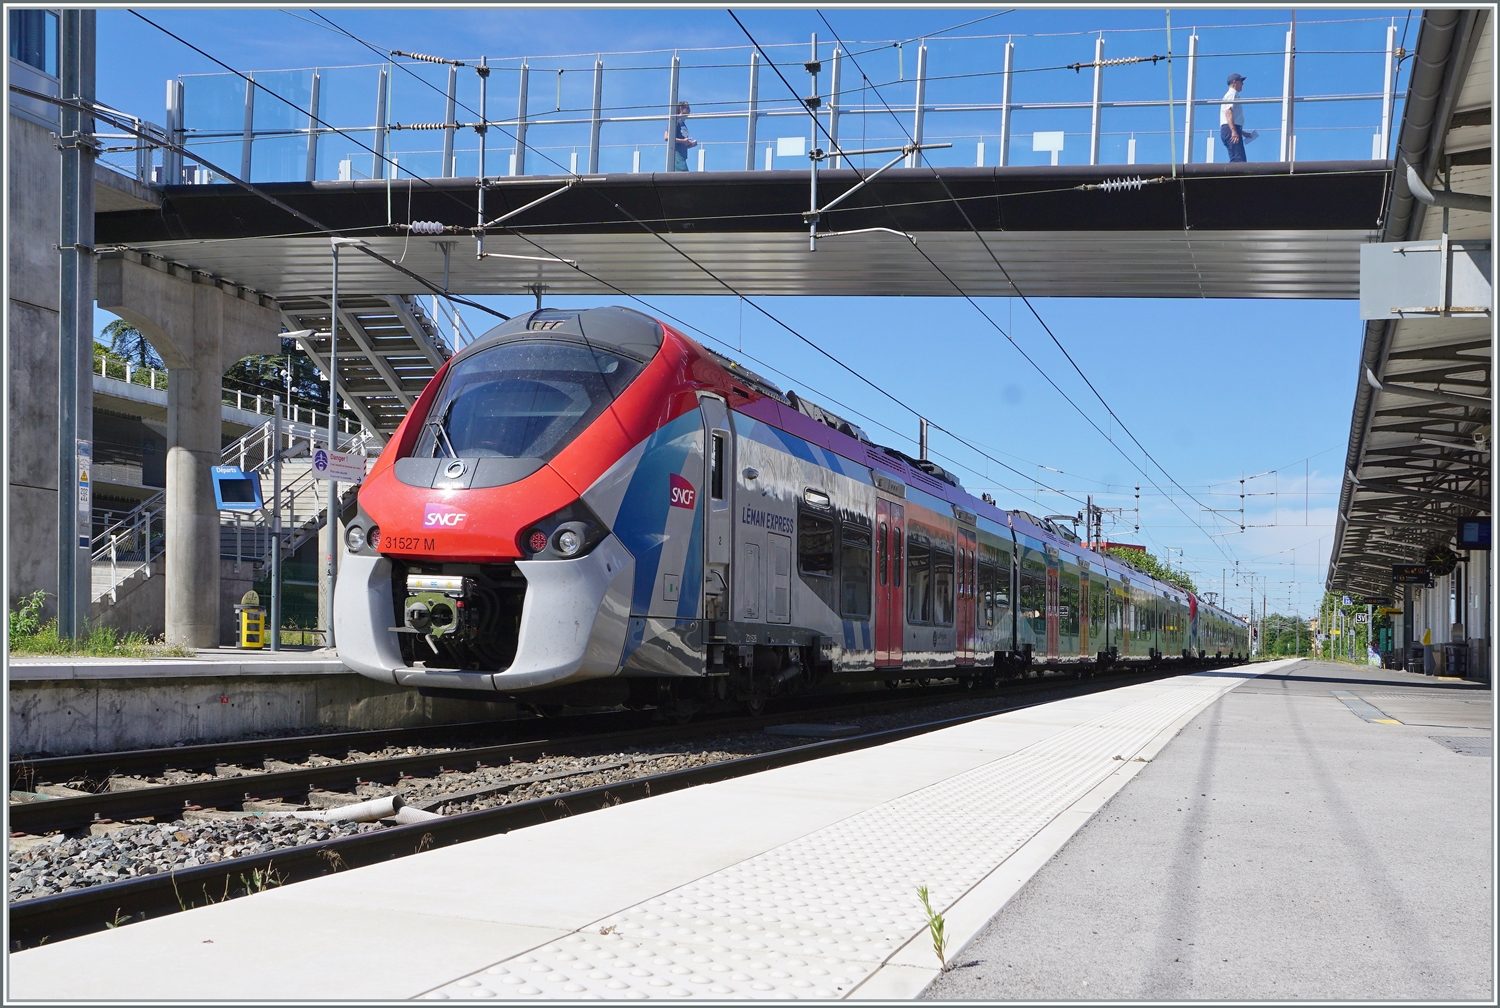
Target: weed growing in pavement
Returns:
[30, 636]
[935, 929]
[335, 861]
[260, 881]
[120, 918]
[424, 843]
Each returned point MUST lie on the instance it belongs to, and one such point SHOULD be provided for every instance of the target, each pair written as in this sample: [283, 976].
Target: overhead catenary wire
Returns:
[1037, 315]
[728, 287]
[834, 146]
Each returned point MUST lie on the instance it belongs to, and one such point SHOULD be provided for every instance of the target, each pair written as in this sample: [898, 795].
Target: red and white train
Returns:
[590, 507]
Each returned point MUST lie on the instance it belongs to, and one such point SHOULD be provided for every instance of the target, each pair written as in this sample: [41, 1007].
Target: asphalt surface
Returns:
[1282, 846]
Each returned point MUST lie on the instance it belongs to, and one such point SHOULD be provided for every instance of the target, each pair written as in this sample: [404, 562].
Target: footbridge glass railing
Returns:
[1323, 89]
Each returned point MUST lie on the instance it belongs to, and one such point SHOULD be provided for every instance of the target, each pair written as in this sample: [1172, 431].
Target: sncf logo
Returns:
[442, 516]
[683, 494]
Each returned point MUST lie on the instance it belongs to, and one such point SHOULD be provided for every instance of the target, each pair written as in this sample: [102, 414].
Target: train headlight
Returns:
[568, 542]
[354, 538]
[373, 537]
[564, 535]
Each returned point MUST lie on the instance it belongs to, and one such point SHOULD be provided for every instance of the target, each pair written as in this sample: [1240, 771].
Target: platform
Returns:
[798, 882]
[67, 705]
[1321, 834]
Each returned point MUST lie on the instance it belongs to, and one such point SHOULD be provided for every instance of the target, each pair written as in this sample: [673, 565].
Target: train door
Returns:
[1052, 593]
[718, 525]
[1084, 611]
[967, 575]
[890, 605]
[752, 582]
[780, 549]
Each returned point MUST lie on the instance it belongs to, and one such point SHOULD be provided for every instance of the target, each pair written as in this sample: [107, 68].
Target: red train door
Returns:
[890, 563]
[967, 574]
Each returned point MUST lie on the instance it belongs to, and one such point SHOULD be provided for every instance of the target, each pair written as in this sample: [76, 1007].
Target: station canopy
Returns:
[1420, 454]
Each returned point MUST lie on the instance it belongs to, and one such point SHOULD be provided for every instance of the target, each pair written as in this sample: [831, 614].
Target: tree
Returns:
[265, 374]
[129, 343]
[1148, 563]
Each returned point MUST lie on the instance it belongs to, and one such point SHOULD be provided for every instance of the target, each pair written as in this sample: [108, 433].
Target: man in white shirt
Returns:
[1232, 119]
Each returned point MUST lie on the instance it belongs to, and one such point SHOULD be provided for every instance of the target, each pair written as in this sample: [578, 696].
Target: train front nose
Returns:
[490, 571]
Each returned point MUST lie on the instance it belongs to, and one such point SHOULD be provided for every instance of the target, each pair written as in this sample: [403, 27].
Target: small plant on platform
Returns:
[30, 636]
[260, 881]
[935, 928]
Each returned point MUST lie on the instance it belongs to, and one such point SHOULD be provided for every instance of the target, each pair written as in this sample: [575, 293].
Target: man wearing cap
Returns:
[1232, 119]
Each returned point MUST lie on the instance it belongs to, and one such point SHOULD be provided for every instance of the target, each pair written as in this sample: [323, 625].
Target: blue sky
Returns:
[1213, 389]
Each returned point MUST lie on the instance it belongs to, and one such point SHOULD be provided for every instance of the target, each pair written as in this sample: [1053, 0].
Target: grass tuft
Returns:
[935, 929]
[29, 636]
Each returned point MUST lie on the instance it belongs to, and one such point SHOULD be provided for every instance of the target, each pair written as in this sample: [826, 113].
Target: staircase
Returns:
[129, 548]
[389, 349]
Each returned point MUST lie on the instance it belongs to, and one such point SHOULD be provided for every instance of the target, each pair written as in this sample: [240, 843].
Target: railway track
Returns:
[92, 908]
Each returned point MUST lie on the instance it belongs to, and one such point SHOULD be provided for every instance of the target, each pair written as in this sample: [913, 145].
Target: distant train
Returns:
[590, 507]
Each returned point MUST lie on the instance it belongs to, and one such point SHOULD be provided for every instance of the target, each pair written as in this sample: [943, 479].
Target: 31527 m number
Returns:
[409, 544]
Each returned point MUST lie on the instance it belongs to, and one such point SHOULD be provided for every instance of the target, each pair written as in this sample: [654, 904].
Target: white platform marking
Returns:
[816, 917]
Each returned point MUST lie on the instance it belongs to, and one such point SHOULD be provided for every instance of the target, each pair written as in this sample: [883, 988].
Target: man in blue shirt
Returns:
[679, 134]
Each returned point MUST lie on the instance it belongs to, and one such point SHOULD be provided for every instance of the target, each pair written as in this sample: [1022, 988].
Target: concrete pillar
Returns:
[201, 326]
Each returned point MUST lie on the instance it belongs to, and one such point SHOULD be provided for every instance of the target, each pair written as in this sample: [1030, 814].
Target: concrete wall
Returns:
[60, 717]
[31, 343]
[140, 604]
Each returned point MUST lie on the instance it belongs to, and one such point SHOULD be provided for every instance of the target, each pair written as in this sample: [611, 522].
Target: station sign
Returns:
[236, 490]
[85, 493]
[338, 466]
[1474, 533]
[1416, 574]
[1360, 617]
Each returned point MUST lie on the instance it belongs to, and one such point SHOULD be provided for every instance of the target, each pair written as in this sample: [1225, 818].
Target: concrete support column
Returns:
[194, 439]
[200, 325]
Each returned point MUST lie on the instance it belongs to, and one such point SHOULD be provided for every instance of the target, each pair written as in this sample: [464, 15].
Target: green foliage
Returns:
[27, 620]
[935, 926]
[1148, 563]
[30, 636]
[112, 365]
[265, 374]
[129, 343]
[1286, 637]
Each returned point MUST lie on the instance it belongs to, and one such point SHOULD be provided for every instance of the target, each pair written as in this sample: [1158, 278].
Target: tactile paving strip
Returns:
[815, 917]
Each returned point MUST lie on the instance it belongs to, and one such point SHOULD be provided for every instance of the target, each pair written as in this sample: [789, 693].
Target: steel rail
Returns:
[83, 911]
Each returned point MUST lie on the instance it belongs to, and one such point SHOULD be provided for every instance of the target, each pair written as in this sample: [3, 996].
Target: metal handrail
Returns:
[143, 533]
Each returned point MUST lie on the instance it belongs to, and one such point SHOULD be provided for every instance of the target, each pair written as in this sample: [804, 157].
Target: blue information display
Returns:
[235, 489]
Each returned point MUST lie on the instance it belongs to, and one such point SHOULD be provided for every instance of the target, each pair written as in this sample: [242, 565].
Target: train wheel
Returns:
[972, 683]
[893, 684]
[755, 706]
[924, 682]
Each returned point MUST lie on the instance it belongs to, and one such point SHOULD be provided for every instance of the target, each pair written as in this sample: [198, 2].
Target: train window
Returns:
[854, 572]
[1067, 604]
[942, 584]
[989, 591]
[815, 545]
[898, 563]
[817, 499]
[918, 578]
[527, 399]
[716, 483]
[883, 549]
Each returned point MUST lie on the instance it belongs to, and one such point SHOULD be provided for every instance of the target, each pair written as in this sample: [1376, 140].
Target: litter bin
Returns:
[252, 620]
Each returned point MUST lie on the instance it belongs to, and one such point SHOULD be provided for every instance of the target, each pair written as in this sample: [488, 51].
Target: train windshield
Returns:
[526, 399]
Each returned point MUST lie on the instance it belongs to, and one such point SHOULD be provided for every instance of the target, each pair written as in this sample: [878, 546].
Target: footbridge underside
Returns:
[1263, 230]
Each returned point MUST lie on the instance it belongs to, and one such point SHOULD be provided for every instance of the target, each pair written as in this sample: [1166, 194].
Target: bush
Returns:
[30, 636]
[27, 620]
